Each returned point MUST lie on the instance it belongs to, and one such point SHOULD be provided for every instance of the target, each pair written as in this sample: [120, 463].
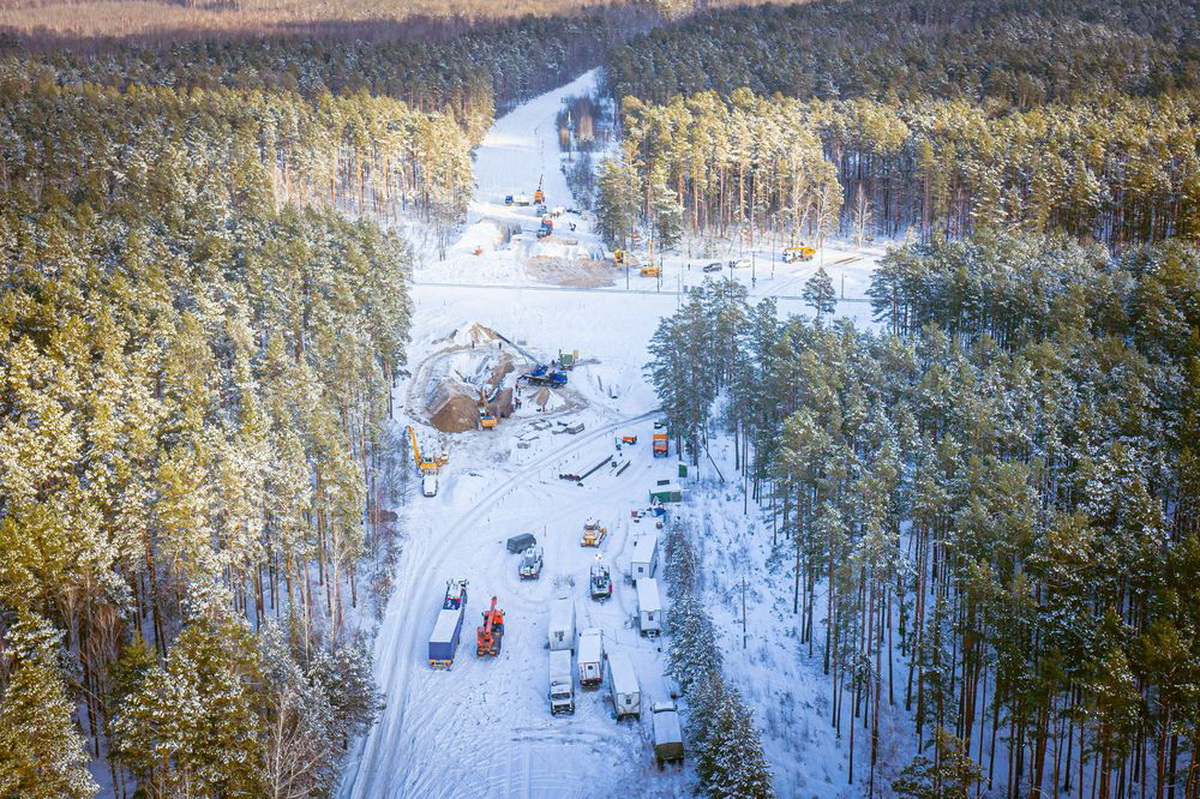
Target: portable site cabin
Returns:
[650, 611]
[645, 557]
[562, 624]
[666, 491]
[622, 680]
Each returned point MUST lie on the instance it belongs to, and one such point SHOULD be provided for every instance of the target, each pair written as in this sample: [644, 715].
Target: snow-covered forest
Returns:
[959, 493]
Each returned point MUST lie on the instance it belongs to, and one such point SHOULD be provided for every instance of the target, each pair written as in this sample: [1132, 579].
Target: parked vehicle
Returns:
[593, 533]
[628, 437]
[531, 564]
[739, 263]
[562, 684]
[801, 252]
[644, 561]
[491, 633]
[429, 485]
[650, 610]
[668, 735]
[591, 657]
[660, 445]
[562, 624]
[601, 582]
[443, 643]
[521, 542]
[715, 266]
[623, 682]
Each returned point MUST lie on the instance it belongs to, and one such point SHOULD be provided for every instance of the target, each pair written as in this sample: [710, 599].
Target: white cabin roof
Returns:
[624, 677]
[647, 594]
[643, 548]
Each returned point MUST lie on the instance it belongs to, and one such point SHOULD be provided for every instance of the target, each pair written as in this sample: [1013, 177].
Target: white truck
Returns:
[531, 564]
[668, 735]
[650, 611]
[562, 684]
[429, 485]
[591, 657]
[562, 624]
[623, 682]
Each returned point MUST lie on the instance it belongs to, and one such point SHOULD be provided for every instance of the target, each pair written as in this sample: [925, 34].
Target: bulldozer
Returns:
[801, 252]
[489, 636]
[650, 270]
[593, 533]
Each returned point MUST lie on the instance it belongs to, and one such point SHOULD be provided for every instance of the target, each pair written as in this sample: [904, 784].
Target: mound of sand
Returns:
[579, 272]
[457, 414]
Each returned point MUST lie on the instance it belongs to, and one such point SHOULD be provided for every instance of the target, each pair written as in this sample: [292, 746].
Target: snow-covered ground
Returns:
[483, 729]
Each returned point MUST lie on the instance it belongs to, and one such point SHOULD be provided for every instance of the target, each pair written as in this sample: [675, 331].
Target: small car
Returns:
[740, 263]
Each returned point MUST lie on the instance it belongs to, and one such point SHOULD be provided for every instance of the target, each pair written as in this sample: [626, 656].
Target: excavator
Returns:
[487, 419]
[428, 468]
[801, 252]
[489, 636]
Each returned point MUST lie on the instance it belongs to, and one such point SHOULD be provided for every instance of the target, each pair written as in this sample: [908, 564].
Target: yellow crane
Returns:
[426, 465]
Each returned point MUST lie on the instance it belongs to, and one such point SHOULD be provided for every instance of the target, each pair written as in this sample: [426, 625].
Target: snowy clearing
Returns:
[484, 728]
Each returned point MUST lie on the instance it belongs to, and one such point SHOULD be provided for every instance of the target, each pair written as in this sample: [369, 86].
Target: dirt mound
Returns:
[457, 414]
[578, 272]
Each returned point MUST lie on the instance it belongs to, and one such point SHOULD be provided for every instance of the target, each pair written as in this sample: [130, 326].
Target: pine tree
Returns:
[819, 293]
[42, 753]
[732, 764]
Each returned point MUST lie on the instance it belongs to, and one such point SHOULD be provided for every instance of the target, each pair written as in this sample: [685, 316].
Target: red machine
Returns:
[488, 636]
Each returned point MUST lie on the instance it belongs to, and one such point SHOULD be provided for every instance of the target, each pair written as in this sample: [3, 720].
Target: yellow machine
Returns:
[426, 465]
[593, 533]
[650, 271]
[801, 252]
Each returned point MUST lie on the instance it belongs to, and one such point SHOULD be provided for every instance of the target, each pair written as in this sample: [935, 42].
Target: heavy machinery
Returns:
[545, 376]
[487, 419]
[801, 252]
[428, 468]
[624, 258]
[660, 445]
[531, 564]
[650, 270]
[600, 582]
[489, 636]
[539, 196]
[547, 227]
[593, 533]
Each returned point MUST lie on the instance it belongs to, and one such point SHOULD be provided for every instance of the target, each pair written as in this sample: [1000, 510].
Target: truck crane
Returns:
[489, 636]
[428, 468]
[539, 196]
